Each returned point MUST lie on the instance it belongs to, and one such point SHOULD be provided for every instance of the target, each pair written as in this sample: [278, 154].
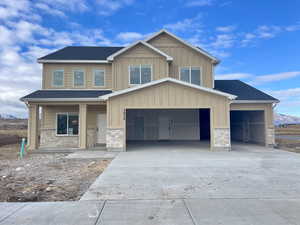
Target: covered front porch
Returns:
[66, 125]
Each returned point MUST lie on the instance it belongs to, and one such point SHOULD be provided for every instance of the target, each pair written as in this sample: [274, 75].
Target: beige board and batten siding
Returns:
[184, 56]
[138, 55]
[169, 96]
[88, 68]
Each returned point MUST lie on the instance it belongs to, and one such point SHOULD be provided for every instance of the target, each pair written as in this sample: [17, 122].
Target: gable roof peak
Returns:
[198, 49]
[111, 57]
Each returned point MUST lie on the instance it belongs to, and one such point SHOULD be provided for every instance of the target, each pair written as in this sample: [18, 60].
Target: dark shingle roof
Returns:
[242, 90]
[66, 94]
[82, 53]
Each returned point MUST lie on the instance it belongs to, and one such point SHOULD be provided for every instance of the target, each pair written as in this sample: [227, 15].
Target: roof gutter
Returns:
[255, 101]
[60, 99]
[71, 61]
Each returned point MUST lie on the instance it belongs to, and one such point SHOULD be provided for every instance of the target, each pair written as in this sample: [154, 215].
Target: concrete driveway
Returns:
[175, 172]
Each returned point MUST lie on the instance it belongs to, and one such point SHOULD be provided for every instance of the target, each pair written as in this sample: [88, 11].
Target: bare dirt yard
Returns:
[45, 177]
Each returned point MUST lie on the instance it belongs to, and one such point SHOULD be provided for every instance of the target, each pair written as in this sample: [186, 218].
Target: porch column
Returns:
[83, 126]
[33, 122]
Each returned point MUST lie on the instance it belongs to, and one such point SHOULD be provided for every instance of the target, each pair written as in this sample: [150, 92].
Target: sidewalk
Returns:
[156, 212]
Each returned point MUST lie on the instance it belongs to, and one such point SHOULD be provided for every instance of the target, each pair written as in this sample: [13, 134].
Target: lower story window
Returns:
[67, 124]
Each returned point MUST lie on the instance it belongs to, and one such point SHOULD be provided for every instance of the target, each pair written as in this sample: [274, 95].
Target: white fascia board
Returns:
[59, 99]
[111, 57]
[215, 60]
[255, 101]
[105, 97]
[70, 61]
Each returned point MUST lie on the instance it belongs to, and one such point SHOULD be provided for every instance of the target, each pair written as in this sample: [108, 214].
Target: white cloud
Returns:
[233, 76]
[192, 24]
[226, 29]
[130, 36]
[50, 10]
[223, 41]
[274, 77]
[108, 7]
[199, 3]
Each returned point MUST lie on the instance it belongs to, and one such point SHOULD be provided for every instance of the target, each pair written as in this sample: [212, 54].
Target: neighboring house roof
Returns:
[111, 58]
[81, 53]
[216, 61]
[243, 91]
[65, 95]
[121, 92]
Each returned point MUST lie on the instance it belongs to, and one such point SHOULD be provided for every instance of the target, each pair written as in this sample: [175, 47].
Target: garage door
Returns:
[167, 124]
[247, 126]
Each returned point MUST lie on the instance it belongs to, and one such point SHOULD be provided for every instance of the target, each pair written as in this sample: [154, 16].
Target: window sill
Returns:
[66, 135]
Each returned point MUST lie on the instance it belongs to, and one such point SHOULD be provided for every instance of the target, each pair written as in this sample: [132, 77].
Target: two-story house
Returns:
[159, 89]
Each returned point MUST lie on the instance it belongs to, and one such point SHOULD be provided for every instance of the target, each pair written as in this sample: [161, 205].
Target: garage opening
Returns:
[247, 126]
[168, 127]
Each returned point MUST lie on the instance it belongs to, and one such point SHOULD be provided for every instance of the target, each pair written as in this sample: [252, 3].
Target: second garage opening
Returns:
[247, 126]
[168, 125]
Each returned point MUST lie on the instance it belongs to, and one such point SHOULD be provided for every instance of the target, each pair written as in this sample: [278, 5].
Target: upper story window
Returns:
[78, 78]
[99, 78]
[140, 74]
[191, 75]
[58, 78]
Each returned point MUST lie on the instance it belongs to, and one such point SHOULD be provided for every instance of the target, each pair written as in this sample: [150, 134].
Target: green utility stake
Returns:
[22, 149]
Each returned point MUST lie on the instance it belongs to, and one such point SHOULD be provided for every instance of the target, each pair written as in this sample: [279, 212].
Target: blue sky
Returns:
[256, 41]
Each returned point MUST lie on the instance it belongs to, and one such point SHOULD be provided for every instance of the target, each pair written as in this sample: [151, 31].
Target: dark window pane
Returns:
[185, 74]
[146, 74]
[62, 124]
[73, 125]
[195, 76]
[135, 75]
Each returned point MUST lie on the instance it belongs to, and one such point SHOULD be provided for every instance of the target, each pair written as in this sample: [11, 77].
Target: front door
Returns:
[164, 128]
[101, 128]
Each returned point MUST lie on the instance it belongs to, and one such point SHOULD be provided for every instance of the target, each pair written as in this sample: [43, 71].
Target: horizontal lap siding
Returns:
[68, 75]
[169, 95]
[136, 56]
[183, 56]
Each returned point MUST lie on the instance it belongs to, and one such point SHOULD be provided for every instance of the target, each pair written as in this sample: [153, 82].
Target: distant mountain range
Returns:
[278, 118]
[285, 119]
[7, 116]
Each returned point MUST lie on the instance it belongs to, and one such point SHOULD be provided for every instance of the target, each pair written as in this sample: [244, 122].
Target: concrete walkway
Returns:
[173, 173]
[86, 154]
[154, 212]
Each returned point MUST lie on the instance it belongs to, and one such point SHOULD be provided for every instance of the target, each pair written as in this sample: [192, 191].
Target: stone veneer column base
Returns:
[115, 139]
[270, 142]
[221, 139]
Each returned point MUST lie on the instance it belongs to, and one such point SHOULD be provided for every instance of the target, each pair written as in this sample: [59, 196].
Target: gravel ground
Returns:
[47, 177]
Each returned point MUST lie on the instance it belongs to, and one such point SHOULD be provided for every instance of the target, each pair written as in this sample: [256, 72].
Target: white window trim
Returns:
[66, 135]
[61, 70]
[140, 66]
[104, 78]
[73, 72]
[190, 74]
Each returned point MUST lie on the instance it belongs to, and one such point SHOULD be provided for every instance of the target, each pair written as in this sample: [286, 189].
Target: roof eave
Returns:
[255, 101]
[70, 61]
[60, 99]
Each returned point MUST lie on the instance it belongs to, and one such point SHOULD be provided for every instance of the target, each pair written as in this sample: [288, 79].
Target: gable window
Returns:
[58, 78]
[78, 76]
[140, 74]
[191, 75]
[67, 124]
[99, 78]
